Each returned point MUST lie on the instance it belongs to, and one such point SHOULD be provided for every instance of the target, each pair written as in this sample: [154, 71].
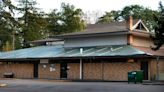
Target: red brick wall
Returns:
[19, 70]
[92, 71]
[74, 71]
[116, 71]
[112, 71]
[46, 73]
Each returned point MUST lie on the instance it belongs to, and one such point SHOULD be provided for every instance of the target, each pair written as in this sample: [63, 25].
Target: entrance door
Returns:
[63, 70]
[144, 67]
[35, 69]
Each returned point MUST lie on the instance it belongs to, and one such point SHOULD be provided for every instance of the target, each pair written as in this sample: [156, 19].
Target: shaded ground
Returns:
[19, 85]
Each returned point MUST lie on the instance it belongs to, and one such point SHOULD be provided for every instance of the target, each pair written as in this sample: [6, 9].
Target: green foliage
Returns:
[8, 23]
[6, 4]
[65, 21]
[53, 24]
[161, 7]
[158, 38]
[7, 46]
[136, 11]
[32, 23]
[139, 12]
[35, 27]
[109, 17]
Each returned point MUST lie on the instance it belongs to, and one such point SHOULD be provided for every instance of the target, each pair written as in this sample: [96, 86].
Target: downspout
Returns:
[157, 68]
[81, 69]
[81, 65]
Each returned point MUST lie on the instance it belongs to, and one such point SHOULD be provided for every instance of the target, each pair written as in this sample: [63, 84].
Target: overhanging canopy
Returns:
[60, 51]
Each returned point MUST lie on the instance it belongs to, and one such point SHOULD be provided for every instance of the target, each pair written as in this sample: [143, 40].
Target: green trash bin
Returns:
[131, 76]
[135, 76]
[139, 76]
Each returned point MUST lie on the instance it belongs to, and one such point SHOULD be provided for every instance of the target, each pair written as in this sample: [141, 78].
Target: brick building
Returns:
[100, 52]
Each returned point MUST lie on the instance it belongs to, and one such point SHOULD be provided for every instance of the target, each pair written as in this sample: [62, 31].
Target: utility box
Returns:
[135, 76]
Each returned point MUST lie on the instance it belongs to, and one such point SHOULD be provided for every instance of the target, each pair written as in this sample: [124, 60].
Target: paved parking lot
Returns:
[24, 85]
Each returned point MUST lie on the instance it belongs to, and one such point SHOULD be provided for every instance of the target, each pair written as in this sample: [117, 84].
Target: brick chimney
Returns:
[129, 27]
[130, 23]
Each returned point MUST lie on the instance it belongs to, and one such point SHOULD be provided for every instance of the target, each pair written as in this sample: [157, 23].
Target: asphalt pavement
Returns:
[30, 85]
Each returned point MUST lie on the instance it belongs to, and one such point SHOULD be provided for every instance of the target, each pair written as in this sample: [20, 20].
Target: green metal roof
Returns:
[60, 51]
[34, 52]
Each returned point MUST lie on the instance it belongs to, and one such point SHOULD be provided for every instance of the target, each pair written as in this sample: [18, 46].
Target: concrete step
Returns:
[153, 82]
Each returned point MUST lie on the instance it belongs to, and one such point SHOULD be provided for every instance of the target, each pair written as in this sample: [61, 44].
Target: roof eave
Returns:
[78, 57]
[90, 34]
[140, 34]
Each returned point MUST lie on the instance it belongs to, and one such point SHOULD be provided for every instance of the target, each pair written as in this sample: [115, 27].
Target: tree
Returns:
[7, 46]
[109, 17]
[158, 38]
[8, 23]
[161, 7]
[136, 11]
[7, 4]
[65, 21]
[140, 12]
[32, 22]
[71, 18]
[53, 20]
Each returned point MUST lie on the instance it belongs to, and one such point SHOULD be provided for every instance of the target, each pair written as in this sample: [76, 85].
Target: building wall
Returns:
[92, 71]
[146, 42]
[111, 71]
[118, 71]
[19, 70]
[45, 72]
[161, 69]
[153, 69]
[74, 71]
[96, 41]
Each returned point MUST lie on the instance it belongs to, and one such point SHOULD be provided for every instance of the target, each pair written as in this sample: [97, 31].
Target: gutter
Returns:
[79, 57]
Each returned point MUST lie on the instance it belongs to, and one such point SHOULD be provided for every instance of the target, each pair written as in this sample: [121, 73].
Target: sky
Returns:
[95, 8]
[97, 5]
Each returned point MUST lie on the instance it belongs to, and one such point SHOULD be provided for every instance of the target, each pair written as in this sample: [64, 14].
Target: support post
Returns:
[157, 70]
[81, 69]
